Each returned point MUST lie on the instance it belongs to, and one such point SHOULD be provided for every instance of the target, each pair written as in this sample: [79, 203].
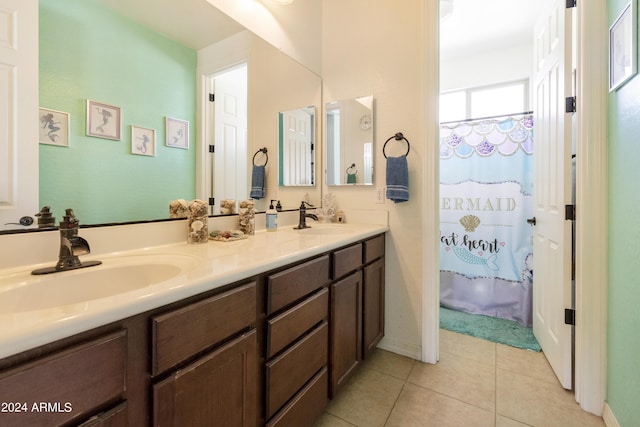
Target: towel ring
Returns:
[398, 137]
[262, 150]
[352, 167]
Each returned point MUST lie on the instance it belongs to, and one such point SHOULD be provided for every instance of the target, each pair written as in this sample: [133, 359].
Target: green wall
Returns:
[623, 355]
[89, 52]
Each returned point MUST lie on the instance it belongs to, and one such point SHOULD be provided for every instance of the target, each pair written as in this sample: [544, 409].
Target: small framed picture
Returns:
[103, 120]
[622, 47]
[177, 133]
[54, 127]
[143, 141]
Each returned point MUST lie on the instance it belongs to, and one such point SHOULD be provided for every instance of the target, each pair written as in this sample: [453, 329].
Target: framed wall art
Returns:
[177, 133]
[143, 141]
[103, 120]
[623, 47]
[54, 127]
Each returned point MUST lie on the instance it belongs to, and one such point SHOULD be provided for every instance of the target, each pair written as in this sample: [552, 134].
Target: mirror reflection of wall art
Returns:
[54, 127]
[622, 47]
[143, 141]
[177, 133]
[103, 120]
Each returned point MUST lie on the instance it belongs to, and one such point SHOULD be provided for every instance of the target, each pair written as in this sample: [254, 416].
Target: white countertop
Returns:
[214, 264]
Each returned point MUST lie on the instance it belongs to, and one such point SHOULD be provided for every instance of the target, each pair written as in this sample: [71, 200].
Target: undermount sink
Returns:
[326, 229]
[22, 292]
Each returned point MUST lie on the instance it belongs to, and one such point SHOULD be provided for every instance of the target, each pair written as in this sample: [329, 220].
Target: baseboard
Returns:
[608, 417]
[400, 347]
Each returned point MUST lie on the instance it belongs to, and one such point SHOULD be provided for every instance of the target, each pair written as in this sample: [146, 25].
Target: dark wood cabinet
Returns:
[219, 389]
[357, 307]
[181, 333]
[346, 329]
[297, 339]
[69, 386]
[114, 417]
[270, 350]
[372, 306]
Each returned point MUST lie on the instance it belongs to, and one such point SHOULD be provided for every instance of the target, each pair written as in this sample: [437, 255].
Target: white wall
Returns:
[379, 48]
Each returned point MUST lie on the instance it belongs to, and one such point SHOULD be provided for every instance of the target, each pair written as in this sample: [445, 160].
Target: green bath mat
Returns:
[489, 328]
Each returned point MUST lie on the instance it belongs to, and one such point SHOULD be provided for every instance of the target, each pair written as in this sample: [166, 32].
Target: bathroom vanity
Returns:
[253, 334]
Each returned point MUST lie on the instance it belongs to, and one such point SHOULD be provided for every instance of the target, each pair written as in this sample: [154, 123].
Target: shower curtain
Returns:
[486, 196]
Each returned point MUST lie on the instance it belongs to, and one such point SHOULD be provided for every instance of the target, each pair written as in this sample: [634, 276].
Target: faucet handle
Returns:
[303, 203]
[69, 220]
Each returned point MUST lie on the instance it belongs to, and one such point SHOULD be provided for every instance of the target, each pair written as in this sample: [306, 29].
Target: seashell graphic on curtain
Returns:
[470, 222]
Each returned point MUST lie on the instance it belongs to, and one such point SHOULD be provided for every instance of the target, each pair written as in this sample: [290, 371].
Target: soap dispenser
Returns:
[272, 217]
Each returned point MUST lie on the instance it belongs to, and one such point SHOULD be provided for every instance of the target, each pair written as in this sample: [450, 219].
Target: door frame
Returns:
[591, 198]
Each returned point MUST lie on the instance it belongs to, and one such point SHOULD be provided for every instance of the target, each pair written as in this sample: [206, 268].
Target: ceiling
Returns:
[193, 23]
[483, 25]
[474, 26]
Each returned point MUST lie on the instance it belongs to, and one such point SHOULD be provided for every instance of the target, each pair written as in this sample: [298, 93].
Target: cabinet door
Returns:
[217, 390]
[372, 306]
[346, 329]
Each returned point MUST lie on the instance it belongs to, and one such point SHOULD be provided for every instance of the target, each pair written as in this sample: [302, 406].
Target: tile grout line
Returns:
[386, 421]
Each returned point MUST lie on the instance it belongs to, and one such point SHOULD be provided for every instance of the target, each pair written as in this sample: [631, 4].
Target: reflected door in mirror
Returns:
[230, 173]
[297, 147]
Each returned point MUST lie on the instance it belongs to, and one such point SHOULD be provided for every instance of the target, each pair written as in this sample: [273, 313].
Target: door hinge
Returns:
[212, 97]
[212, 201]
[571, 3]
[570, 104]
[212, 148]
[569, 316]
[570, 212]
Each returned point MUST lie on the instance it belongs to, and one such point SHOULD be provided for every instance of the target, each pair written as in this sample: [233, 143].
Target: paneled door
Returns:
[297, 153]
[18, 111]
[552, 191]
[230, 175]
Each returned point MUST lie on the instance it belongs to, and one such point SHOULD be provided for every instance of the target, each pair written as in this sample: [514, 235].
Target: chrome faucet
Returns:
[304, 215]
[71, 246]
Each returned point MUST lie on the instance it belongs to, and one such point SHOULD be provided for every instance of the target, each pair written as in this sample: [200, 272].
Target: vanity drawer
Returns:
[307, 406]
[111, 418]
[79, 380]
[294, 283]
[288, 326]
[373, 249]
[181, 334]
[347, 260]
[291, 370]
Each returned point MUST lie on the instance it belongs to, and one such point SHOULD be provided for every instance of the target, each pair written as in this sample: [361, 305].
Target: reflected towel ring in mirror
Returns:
[262, 150]
[352, 169]
[398, 137]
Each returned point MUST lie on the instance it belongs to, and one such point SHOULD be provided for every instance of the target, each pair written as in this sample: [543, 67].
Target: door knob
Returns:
[532, 221]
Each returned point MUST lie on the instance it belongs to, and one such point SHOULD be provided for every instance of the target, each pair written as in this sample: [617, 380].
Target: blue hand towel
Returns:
[257, 182]
[397, 179]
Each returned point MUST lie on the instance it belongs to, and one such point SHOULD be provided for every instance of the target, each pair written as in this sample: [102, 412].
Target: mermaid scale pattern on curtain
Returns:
[486, 195]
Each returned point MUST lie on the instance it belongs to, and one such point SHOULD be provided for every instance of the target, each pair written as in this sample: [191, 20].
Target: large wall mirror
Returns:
[350, 126]
[141, 58]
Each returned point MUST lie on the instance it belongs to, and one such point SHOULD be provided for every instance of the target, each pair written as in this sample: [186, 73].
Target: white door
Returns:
[230, 177]
[552, 233]
[297, 152]
[18, 111]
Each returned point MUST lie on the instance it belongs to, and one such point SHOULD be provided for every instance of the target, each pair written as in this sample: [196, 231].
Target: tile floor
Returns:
[476, 383]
